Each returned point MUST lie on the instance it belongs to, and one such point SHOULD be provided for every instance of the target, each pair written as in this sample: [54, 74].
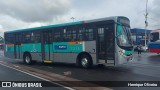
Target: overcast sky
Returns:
[18, 14]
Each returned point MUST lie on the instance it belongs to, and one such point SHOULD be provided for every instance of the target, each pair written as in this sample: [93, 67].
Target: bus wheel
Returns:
[27, 58]
[85, 61]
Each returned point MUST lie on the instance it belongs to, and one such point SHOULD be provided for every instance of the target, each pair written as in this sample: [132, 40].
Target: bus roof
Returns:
[66, 24]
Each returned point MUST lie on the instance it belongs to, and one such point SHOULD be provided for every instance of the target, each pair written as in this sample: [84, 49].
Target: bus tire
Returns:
[27, 59]
[85, 61]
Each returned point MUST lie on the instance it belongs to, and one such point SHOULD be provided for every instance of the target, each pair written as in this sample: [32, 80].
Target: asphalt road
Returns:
[8, 74]
[143, 68]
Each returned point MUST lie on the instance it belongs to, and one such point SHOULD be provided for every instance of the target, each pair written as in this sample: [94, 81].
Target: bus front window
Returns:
[123, 36]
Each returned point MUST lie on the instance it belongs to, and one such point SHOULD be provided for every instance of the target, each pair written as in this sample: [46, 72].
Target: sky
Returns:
[20, 14]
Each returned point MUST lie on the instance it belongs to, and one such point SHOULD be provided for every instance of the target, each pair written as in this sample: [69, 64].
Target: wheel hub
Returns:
[84, 61]
[27, 59]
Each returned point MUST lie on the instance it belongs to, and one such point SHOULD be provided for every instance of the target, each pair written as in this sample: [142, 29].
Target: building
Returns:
[1, 43]
[138, 36]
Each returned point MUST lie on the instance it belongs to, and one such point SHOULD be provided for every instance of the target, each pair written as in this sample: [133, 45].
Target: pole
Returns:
[146, 24]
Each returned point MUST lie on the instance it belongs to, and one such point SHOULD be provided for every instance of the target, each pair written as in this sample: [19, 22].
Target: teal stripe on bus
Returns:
[46, 27]
[58, 47]
[128, 52]
[33, 47]
[9, 48]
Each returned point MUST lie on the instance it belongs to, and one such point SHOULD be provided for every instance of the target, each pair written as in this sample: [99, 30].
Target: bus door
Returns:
[17, 45]
[105, 44]
[47, 46]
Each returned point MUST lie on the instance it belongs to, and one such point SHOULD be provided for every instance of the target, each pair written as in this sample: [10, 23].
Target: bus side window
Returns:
[35, 37]
[69, 34]
[66, 35]
[57, 36]
[9, 38]
[26, 37]
[80, 33]
[101, 34]
[18, 38]
[74, 35]
[89, 34]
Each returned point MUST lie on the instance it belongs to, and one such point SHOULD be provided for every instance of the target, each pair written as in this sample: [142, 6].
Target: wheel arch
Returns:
[26, 52]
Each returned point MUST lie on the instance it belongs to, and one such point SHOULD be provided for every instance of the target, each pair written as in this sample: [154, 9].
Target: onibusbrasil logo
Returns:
[21, 84]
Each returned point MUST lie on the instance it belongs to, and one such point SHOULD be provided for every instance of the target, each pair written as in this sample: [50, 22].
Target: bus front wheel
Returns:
[85, 61]
[27, 58]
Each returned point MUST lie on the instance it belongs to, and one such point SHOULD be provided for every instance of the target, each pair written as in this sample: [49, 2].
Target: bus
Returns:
[104, 41]
[154, 44]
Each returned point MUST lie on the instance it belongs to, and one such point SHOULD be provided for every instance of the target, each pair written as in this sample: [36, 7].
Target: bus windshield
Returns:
[123, 36]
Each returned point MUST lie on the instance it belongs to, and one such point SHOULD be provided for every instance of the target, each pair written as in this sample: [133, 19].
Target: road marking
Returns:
[16, 66]
[142, 64]
[37, 77]
[50, 67]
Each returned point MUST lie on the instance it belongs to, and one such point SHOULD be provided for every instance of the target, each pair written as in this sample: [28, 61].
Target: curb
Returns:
[60, 79]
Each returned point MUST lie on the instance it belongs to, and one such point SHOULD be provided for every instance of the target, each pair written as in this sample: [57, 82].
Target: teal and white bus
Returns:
[85, 43]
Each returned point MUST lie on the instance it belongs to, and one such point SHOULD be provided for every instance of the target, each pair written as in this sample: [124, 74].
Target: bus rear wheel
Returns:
[85, 61]
[28, 59]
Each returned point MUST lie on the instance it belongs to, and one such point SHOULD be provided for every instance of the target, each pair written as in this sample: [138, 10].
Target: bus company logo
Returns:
[6, 84]
[60, 47]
